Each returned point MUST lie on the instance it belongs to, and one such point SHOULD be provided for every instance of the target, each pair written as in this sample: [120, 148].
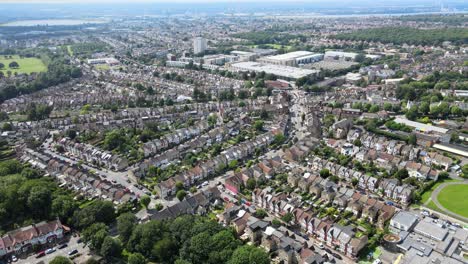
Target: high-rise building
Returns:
[199, 45]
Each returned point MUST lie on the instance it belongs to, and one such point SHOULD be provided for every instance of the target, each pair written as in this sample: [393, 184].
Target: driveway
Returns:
[72, 244]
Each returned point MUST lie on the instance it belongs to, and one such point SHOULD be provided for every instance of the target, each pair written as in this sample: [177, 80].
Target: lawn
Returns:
[102, 67]
[426, 195]
[274, 46]
[455, 198]
[26, 65]
[69, 49]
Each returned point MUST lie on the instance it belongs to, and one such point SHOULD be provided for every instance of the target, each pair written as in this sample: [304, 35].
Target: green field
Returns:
[274, 46]
[426, 195]
[455, 198]
[26, 65]
[70, 51]
[102, 67]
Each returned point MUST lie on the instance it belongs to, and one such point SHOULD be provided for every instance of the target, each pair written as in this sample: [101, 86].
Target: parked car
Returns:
[40, 254]
[79, 240]
[337, 256]
[73, 252]
[50, 250]
[14, 258]
[62, 246]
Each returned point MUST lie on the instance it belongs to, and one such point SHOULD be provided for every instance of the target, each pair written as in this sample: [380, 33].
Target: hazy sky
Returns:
[165, 1]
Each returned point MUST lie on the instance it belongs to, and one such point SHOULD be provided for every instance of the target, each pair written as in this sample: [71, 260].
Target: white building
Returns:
[339, 55]
[108, 61]
[292, 58]
[199, 45]
[287, 72]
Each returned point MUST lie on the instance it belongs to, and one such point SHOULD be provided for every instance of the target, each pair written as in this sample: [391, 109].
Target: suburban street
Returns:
[72, 245]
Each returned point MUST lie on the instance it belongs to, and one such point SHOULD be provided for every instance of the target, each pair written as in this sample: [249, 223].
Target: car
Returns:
[40, 254]
[14, 258]
[321, 246]
[337, 256]
[73, 252]
[50, 250]
[79, 240]
[377, 261]
[328, 250]
[62, 246]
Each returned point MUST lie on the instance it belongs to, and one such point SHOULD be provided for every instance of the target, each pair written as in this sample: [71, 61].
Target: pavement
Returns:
[72, 244]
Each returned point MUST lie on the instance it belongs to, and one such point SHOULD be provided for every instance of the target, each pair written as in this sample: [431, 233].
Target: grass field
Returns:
[274, 46]
[103, 67]
[26, 65]
[455, 198]
[69, 49]
[426, 195]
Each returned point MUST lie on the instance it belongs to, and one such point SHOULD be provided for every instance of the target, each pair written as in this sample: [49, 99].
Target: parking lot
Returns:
[72, 245]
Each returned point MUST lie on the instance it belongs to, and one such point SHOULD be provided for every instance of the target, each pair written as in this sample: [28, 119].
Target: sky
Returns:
[186, 1]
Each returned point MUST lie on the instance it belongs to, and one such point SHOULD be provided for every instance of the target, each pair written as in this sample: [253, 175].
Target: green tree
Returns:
[424, 107]
[60, 260]
[30, 173]
[164, 250]
[258, 125]
[99, 211]
[388, 106]
[125, 224]
[287, 218]
[13, 65]
[95, 235]
[251, 183]
[181, 195]
[324, 173]
[261, 213]
[374, 109]
[110, 248]
[114, 139]
[443, 175]
[412, 139]
[456, 111]
[249, 255]
[136, 258]
[412, 113]
[145, 201]
[464, 173]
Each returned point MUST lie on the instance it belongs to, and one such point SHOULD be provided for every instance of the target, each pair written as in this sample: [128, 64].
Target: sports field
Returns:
[26, 65]
[455, 198]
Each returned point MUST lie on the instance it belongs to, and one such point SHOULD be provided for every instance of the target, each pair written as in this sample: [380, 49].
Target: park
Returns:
[455, 198]
[24, 64]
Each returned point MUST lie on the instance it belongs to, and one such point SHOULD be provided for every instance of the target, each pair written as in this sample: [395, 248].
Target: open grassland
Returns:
[26, 65]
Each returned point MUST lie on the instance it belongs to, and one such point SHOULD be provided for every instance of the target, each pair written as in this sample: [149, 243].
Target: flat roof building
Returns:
[421, 126]
[292, 58]
[404, 221]
[286, 72]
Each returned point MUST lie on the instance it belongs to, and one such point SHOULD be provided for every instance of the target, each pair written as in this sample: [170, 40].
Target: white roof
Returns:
[241, 213]
[290, 55]
[269, 231]
[279, 70]
[420, 126]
